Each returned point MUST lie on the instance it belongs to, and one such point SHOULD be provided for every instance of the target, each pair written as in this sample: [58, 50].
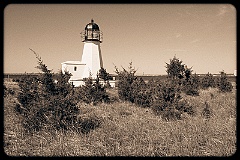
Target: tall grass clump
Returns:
[207, 112]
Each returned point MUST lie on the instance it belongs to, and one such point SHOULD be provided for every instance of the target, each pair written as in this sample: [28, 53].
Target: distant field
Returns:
[146, 78]
[231, 78]
[128, 130]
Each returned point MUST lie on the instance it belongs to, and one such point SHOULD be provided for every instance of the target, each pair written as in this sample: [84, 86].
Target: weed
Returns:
[212, 95]
[89, 124]
[207, 112]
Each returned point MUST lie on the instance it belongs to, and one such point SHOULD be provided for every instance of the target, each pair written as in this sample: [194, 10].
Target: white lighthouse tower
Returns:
[91, 56]
[91, 60]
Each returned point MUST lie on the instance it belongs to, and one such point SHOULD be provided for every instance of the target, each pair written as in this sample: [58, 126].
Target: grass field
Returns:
[128, 130]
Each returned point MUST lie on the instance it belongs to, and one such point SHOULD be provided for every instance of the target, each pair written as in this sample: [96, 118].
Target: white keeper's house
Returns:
[91, 60]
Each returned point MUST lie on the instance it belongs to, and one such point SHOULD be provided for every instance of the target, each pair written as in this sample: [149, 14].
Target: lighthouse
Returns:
[91, 56]
[91, 60]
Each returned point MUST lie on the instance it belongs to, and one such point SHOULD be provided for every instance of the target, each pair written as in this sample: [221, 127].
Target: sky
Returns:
[203, 36]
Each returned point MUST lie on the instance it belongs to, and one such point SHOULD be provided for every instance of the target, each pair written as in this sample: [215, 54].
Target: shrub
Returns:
[187, 73]
[29, 87]
[184, 106]
[107, 85]
[92, 92]
[151, 83]
[183, 76]
[62, 85]
[208, 81]
[141, 93]
[175, 69]
[7, 91]
[167, 101]
[133, 89]
[223, 84]
[15, 79]
[99, 93]
[11, 92]
[166, 97]
[191, 85]
[45, 104]
[103, 74]
[83, 93]
[126, 79]
[162, 96]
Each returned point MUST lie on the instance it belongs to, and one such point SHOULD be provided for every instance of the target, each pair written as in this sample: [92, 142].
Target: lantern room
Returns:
[91, 33]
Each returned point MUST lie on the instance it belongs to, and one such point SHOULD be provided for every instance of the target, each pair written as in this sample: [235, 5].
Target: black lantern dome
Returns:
[91, 32]
[92, 26]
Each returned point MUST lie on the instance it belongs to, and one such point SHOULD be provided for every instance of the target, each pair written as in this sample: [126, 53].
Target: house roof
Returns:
[73, 62]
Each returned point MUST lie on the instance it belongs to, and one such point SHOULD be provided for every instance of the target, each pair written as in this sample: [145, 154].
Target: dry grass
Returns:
[128, 130]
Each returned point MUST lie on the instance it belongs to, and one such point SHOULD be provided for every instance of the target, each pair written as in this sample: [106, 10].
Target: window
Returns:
[75, 68]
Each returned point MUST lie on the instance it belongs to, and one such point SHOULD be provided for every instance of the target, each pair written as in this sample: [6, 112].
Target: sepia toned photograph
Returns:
[138, 80]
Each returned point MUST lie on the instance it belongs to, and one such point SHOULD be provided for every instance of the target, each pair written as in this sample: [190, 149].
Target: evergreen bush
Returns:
[163, 96]
[223, 84]
[191, 85]
[133, 89]
[175, 69]
[104, 75]
[166, 98]
[183, 76]
[208, 81]
[141, 93]
[92, 92]
[4, 91]
[45, 104]
[126, 79]
[7, 91]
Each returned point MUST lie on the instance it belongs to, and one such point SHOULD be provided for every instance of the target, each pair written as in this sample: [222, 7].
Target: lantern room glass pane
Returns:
[95, 35]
